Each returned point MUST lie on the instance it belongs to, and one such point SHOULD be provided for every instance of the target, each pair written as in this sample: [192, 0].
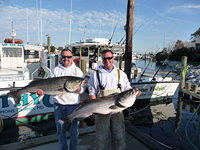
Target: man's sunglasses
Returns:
[109, 58]
[66, 57]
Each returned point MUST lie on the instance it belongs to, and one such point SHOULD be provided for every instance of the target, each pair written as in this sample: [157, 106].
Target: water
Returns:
[166, 120]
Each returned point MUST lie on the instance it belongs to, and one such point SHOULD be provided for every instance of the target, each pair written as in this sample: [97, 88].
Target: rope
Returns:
[186, 129]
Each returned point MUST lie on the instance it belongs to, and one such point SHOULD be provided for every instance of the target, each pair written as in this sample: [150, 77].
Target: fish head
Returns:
[127, 98]
[74, 83]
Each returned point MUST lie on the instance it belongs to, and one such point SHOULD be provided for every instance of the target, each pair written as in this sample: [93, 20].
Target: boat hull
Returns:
[156, 90]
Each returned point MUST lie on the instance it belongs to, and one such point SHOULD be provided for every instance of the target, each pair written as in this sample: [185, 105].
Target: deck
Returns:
[134, 139]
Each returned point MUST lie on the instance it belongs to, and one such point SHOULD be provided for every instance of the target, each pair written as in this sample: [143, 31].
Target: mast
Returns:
[129, 37]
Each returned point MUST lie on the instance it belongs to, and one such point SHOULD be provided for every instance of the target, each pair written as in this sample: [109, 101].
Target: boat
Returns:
[159, 88]
[19, 65]
[153, 88]
[90, 50]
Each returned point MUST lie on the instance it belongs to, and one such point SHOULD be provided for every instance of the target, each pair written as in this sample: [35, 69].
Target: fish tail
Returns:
[68, 122]
[15, 95]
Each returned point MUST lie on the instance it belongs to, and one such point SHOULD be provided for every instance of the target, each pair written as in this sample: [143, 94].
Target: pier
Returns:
[187, 89]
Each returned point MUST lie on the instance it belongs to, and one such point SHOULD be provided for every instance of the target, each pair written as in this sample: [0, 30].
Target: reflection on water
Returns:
[166, 122]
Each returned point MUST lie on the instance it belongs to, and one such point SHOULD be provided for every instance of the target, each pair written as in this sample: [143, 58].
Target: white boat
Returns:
[90, 50]
[156, 89]
[19, 65]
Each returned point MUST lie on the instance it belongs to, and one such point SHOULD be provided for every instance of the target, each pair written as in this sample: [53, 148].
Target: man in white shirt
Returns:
[108, 79]
[66, 103]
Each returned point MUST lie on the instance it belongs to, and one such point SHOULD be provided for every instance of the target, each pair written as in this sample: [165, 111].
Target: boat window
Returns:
[31, 54]
[76, 51]
[12, 52]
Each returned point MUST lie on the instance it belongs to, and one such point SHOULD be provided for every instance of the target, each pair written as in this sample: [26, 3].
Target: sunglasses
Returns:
[109, 58]
[66, 57]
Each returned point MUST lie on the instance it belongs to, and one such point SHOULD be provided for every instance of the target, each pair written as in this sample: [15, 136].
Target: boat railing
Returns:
[46, 69]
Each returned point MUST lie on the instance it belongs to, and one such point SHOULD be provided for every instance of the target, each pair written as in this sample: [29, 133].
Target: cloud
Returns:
[57, 21]
[183, 8]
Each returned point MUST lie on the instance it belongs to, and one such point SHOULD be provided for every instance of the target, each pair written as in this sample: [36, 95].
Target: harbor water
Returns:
[174, 123]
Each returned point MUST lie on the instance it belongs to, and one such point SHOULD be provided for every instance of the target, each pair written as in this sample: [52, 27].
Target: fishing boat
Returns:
[90, 50]
[153, 88]
[19, 65]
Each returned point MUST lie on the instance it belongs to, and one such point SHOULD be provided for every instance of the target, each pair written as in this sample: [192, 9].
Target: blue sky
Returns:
[158, 22]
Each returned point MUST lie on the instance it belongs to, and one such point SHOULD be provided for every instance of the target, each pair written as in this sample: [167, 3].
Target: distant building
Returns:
[195, 45]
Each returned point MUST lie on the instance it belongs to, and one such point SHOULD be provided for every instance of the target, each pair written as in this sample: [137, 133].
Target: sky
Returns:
[157, 23]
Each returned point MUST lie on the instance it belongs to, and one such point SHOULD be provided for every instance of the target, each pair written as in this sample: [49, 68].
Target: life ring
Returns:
[1, 124]
[76, 61]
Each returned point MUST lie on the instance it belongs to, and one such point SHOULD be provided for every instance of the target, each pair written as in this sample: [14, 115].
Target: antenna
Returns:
[70, 23]
[164, 41]
[113, 32]
[41, 22]
[13, 33]
[100, 29]
[27, 38]
[85, 33]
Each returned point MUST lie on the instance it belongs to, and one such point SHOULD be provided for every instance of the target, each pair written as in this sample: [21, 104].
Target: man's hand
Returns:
[39, 92]
[137, 92]
[78, 90]
[92, 97]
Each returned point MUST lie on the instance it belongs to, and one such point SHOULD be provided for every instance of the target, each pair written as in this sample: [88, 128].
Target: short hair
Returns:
[106, 51]
[65, 50]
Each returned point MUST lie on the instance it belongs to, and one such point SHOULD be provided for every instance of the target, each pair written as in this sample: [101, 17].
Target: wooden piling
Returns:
[129, 37]
[194, 88]
[188, 85]
[83, 66]
[56, 60]
[183, 70]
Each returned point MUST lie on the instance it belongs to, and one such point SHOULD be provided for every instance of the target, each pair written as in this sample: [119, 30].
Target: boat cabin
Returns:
[90, 50]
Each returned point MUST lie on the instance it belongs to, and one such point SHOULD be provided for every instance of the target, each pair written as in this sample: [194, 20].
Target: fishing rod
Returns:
[155, 74]
[31, 102]
[166, 75]
[121, 39]
[26, 124]
[145, 70]
[113, 32]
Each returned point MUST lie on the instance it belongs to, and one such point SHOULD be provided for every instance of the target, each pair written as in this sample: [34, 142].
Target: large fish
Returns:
[104, 105]
[50, 86]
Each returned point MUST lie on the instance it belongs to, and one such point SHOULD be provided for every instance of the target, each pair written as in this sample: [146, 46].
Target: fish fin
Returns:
[113, 107]
[15, 95]
[119, 105]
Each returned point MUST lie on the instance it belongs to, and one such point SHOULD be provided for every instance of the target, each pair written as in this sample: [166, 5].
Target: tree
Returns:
[178, 45]
[53, 49]
[60, 48]
[195, 35]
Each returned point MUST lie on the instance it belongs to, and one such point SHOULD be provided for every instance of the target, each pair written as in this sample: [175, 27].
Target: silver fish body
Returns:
[104, 105]
[50, 86]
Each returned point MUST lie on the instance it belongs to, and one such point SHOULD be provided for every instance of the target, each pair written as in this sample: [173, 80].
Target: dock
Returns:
[187, 89]
[134, 139]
